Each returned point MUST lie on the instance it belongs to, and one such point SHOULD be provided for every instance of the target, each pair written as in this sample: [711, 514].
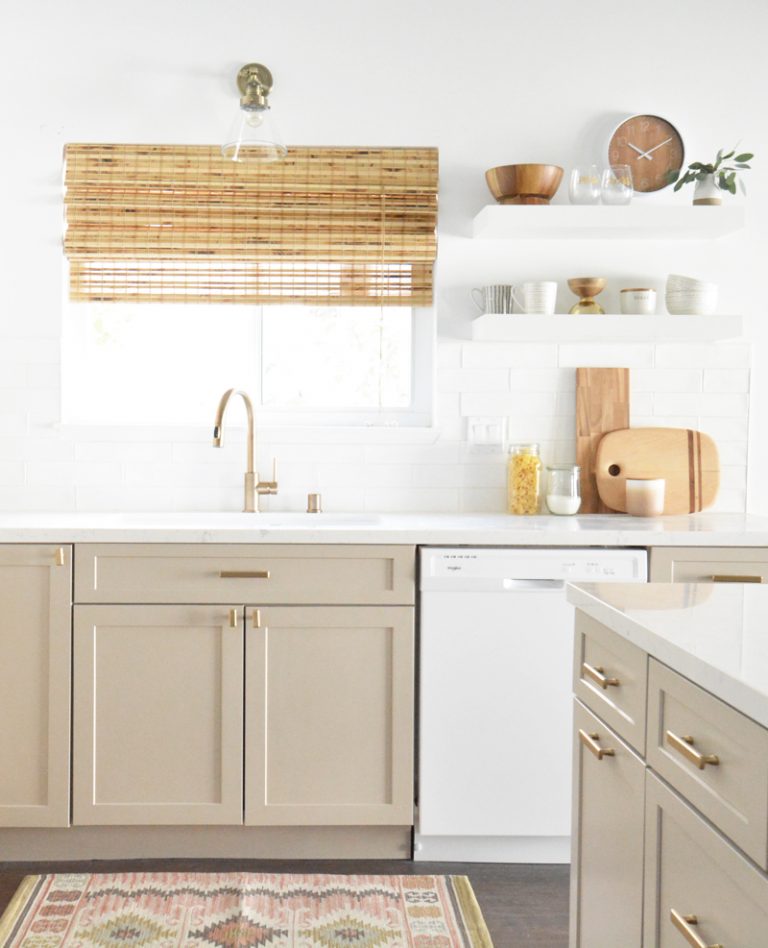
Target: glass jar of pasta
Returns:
[523, 479]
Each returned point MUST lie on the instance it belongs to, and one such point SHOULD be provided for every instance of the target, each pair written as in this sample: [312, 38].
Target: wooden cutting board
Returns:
[602, 405]
[686, 459]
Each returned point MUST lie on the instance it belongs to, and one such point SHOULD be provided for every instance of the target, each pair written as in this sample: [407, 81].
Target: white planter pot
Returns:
[707, 191]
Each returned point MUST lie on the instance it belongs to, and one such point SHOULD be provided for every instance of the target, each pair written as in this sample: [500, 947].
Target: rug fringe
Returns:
[15, 907]
[473, 918]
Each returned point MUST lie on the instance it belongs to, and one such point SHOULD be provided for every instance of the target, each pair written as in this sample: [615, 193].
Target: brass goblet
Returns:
[586, 288]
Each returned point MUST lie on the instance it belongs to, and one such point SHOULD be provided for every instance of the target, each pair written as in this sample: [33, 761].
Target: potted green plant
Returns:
[712, 179]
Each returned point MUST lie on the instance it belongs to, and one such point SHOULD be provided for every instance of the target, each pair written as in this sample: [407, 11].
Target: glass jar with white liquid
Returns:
[563, 489]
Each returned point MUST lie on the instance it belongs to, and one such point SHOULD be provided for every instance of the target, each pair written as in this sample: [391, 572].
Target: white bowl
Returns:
[677, 282]
[691, 304]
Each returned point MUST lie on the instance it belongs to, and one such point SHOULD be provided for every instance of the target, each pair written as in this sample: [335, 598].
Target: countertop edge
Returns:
[732, 691]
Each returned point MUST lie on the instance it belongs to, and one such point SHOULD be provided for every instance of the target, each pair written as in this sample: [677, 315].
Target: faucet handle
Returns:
[269, 487]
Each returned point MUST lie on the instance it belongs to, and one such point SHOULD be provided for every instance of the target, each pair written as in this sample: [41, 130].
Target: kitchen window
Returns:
[153, 364]
[315, 276]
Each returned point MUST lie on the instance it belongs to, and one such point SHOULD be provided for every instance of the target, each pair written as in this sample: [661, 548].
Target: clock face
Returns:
[651, 146]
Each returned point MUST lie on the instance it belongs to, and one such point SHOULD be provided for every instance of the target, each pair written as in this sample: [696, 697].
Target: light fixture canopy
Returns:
[253, 134]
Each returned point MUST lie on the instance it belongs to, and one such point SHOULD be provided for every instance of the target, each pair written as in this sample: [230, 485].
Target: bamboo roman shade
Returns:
[178, 223]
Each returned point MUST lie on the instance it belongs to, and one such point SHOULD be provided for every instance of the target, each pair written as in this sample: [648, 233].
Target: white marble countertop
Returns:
[715, 634]
[609, 530]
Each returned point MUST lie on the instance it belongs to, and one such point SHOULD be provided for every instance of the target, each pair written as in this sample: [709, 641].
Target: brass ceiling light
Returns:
[253, 135]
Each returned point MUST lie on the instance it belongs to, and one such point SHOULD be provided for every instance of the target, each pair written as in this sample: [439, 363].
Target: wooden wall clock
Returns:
[651, 146]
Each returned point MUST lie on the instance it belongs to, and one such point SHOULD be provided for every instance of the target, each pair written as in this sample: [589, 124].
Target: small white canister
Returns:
[638, 301]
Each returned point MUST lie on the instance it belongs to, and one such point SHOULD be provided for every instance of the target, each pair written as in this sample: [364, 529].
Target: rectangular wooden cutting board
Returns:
[686, 459]
[602, 405]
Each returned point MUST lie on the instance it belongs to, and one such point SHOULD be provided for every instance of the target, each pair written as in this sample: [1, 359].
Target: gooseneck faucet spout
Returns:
[253, 486]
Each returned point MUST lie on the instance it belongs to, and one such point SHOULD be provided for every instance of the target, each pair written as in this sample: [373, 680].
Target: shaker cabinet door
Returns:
[35, 632]
[697, 885]
[607, 841]
[158, 715]
[329, 715]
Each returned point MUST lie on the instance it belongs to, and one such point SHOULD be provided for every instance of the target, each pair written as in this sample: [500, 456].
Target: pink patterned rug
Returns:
[235, 910]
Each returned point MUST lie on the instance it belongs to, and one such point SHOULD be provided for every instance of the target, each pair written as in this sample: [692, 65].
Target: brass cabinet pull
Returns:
[684, 924]
[723, 578]
[597, 674]
[257, 618]
[60, 556]
[590, 742]
[685, 746]
[233, 618]
[244, 574]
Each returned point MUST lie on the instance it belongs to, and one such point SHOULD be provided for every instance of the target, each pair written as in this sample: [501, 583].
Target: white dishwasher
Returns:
[494, 772]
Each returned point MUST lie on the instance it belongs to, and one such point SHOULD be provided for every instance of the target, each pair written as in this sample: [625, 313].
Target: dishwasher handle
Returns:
[532, 585]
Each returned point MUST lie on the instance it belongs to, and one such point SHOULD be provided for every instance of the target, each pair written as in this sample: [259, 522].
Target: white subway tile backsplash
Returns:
[664, 380]
[412, 500]
[726, 380]
[122, 497]
[530, 403]
[542, 380]
[484, 500]
[725, 429]
[45, 466]
[604, 355]
[473, 380]
[72, 473]
[514, 355]
[703, 355]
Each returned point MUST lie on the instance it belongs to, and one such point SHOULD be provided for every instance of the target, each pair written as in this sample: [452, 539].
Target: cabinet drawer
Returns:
[610, 677]
[695, 873]
[229, 574]
[731, 789]
[689, 565]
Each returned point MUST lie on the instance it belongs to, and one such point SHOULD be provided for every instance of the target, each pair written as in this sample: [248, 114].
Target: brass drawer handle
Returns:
[723, 578]
[685, 746]
[597, 674]
[590, 742]
[244, 574]
[684, 924]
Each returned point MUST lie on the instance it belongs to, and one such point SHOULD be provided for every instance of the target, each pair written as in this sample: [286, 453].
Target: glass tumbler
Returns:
[616, 185]
[563, 489]
[584, 185]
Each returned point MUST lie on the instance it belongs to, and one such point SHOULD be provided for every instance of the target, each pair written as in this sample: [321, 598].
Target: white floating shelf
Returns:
[565, 328]
[600, 222]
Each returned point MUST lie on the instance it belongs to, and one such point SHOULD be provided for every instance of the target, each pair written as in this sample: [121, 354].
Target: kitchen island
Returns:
[670, 830]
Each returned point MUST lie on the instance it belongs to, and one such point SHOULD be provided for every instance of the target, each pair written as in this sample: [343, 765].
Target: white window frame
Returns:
[418, 416]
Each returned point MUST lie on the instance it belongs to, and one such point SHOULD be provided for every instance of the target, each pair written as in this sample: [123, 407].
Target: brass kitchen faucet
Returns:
[253, 486]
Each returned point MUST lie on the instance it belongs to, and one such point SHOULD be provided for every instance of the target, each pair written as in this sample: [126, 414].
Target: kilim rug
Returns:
[239, 910]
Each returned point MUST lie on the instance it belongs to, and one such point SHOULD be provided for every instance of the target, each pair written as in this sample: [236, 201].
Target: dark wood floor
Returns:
[524, 906]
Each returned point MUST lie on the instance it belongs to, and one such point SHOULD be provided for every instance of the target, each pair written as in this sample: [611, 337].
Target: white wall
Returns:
[488, 83]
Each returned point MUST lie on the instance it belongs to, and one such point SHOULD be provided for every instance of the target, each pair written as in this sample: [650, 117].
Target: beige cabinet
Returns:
[707, 565]
[35, 629]
[607, 854]
[610, 676]
[299, 713]
[715, 756]
[158, 715]
[329, 715]
[697, 885]
[695, 861]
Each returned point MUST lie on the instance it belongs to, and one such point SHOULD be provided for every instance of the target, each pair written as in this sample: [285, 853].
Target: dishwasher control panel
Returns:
[494, 568]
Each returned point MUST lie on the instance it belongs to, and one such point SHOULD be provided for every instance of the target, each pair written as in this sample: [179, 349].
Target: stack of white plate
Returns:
[686, 296]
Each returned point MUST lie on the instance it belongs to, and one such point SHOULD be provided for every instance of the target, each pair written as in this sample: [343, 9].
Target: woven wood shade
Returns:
[178, 223]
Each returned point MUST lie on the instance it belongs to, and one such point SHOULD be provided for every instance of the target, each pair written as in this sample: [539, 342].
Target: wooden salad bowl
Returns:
[524, 184]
